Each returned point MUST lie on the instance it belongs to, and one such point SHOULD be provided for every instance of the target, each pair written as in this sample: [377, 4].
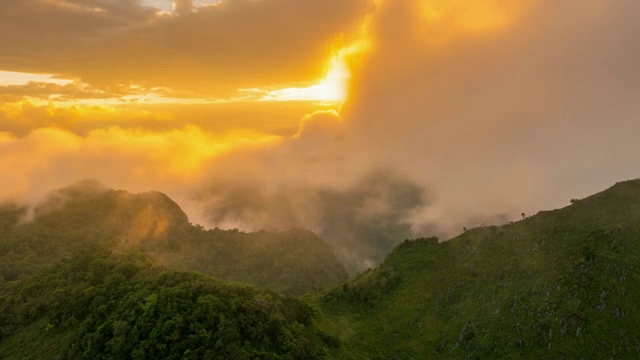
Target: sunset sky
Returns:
[489, 107]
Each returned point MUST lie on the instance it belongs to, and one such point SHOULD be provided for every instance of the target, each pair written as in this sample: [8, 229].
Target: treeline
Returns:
[561, 284]
[84, 215]
[101, 305]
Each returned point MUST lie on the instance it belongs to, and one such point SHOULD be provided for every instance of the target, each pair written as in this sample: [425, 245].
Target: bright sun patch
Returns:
[8, 78]
[333, 88]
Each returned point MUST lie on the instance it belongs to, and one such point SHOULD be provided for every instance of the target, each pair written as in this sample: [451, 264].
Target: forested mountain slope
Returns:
[562, 284]
[98, 305]
[87, 213]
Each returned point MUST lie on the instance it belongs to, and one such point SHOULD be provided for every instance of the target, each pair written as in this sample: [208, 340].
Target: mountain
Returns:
[97, 305]
[87, 213]
[562, 284]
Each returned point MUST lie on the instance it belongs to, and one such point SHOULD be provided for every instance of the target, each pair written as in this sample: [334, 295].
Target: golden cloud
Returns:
[49, 157]
[212, 50]
[485, 100]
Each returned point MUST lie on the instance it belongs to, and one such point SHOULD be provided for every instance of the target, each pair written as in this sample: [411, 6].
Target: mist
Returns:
[494, 124]
[362, 222]
[519, 118]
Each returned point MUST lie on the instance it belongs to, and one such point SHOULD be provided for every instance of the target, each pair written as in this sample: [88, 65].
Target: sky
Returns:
[366, 121]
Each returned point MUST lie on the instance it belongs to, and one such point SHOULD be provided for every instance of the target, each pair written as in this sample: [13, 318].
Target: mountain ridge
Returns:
[86, 213]
[559, 284]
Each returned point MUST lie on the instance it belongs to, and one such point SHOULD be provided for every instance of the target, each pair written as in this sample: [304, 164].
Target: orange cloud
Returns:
[496, 106]
[445, 18]
[49, 158]
[21, 114]
[211, 50]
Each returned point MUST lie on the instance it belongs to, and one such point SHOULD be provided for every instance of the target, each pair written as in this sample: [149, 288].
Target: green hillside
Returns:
[97, 305]
[87, 213]
[562, 284]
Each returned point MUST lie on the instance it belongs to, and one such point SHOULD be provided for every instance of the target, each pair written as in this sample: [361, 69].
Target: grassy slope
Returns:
[560, 284]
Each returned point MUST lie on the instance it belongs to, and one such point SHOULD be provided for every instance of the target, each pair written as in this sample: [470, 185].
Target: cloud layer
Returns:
[214, 50]
[461, 113]
[520, 118]
[539, 110]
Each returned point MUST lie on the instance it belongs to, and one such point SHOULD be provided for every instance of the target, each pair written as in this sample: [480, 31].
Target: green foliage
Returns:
[121, 307]
[291, 262]
[562, 284]
[370, 286]
[87, 214]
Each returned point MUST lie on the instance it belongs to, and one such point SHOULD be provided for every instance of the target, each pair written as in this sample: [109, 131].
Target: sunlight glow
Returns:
[444, 19]
[333, 88]
[481, 16]
[168, 6]
[21, 78]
